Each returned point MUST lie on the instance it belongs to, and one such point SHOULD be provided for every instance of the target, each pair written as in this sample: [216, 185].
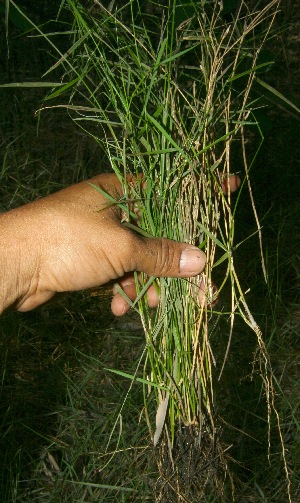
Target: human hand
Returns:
[63, 243]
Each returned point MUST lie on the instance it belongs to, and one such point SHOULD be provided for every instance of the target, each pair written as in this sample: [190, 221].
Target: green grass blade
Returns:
[33, 84]
[137, 379]
[100, 486]
[166, 135]
[278, 94]
[249, 71]
[211, 236]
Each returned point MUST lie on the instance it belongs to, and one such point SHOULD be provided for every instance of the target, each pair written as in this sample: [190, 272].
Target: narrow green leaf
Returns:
[203, 244]
[178, 54]
[33, 84]
[125, 297]
[218, 140]
[161, 51]
[65, 56]
[224, 257]
[62, 89]
[13, 16]
[119, 202]
[251, 70]
[166, 135]
[144, 290]
[154, 152]
[277, 94]
[100, 486]
[211, 236]
[137, 229]
[137, 379]
[6, 17]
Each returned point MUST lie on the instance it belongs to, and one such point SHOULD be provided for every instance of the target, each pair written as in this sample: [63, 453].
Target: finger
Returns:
[163, 257]
[119, 304]
[208, 294]
[230, 183]
[152, 296]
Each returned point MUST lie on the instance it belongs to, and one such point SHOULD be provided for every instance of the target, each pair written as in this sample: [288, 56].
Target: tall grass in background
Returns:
[166, 92]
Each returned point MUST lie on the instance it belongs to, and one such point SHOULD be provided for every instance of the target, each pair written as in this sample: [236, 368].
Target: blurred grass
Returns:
[57, 404]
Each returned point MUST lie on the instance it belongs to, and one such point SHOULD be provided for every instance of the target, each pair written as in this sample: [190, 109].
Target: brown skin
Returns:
[63, 243]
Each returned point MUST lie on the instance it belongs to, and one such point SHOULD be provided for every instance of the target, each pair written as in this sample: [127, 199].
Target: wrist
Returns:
[15, 276]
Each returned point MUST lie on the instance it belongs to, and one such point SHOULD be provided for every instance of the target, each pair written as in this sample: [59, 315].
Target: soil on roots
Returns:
[193, 469]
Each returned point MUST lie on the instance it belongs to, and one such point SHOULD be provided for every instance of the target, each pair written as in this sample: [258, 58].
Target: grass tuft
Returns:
[168, 91]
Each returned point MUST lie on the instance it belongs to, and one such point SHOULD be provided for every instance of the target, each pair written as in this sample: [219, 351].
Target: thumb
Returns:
[164, 257]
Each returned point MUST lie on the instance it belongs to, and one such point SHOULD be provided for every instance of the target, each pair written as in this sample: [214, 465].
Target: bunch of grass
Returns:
[166, 91]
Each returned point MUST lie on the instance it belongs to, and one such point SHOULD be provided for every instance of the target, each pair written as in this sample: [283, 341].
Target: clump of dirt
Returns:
[195, 467]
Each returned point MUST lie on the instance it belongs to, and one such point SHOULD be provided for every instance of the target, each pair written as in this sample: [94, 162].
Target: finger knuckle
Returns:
[165, 259]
